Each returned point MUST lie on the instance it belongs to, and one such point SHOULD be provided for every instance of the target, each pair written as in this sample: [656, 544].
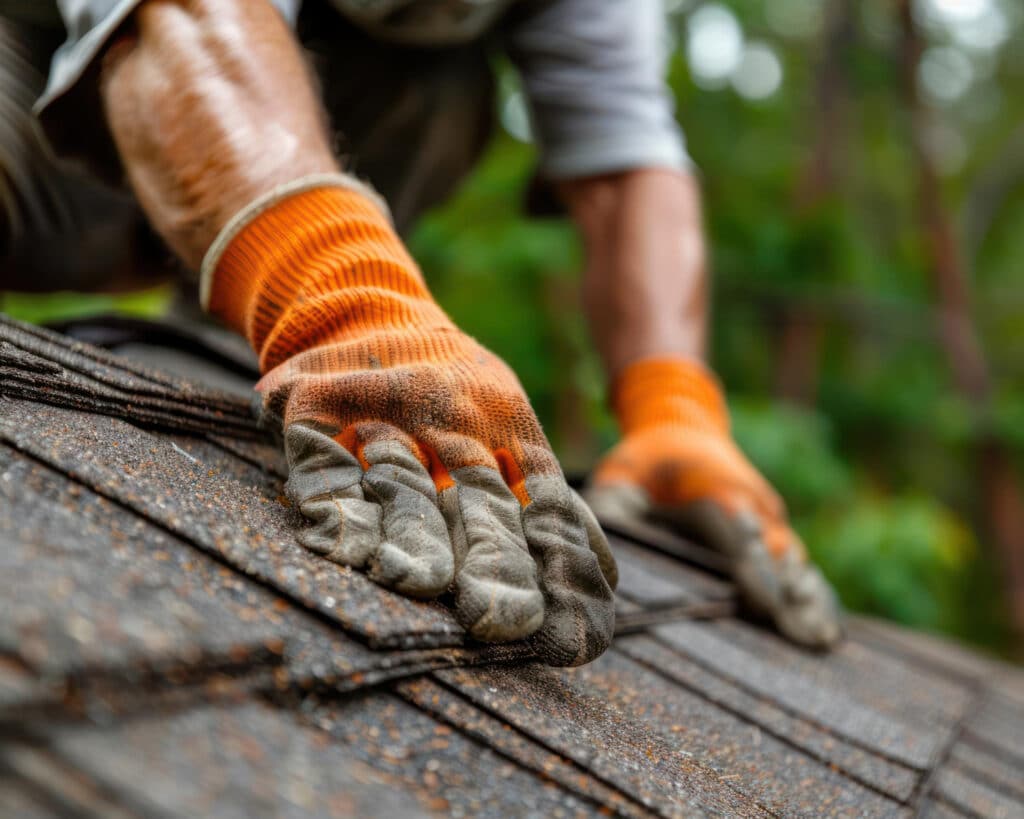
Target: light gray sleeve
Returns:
[593, 72]
[89, 24]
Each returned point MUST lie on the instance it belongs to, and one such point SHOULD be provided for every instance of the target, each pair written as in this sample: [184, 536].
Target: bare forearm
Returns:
[210, 106]
[645, 288]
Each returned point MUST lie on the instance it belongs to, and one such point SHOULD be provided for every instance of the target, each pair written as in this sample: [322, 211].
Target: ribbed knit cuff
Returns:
[316, 266]
[247, 214]
[657, 392]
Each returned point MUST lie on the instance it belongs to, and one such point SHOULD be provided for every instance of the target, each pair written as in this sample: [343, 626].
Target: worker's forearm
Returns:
[210, 105]
[645, 287]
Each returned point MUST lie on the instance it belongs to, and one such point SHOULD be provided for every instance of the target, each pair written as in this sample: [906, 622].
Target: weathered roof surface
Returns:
[167, 648]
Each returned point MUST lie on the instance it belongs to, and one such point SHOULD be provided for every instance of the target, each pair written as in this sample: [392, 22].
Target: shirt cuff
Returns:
[590, 158]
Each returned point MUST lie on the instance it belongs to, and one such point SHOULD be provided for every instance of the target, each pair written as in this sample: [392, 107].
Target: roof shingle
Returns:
[167, 648]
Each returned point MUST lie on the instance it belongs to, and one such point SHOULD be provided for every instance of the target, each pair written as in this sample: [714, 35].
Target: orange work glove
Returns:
[412, 450]
[677, 465]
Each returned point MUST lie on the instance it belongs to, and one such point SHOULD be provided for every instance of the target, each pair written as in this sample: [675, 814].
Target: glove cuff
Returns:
[314, 261]
[672, 391]
[247, 214]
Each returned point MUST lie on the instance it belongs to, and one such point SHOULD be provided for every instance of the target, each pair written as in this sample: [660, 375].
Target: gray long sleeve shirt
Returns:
[592, 69]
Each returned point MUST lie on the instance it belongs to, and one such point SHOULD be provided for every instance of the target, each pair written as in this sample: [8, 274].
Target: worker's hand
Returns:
[678, 466]
[417, 457]
[412, 450]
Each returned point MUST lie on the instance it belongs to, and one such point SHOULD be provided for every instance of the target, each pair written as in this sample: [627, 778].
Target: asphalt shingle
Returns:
[167, 647]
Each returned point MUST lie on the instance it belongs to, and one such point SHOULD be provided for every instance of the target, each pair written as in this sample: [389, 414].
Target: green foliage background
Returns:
[877, 468]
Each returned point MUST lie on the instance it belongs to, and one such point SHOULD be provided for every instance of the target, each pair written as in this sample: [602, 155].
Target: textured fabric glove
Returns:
[677, 465]
[412, 450]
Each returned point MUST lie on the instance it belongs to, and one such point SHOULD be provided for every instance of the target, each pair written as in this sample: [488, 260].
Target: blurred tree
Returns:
[1001, 504]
